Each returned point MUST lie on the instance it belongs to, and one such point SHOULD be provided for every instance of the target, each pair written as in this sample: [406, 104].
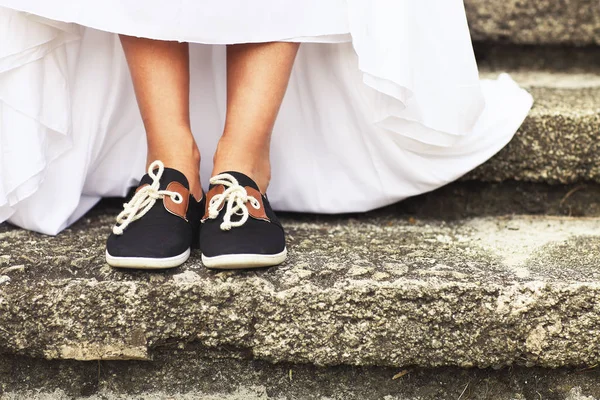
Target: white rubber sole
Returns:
[244, 261]
[147, 263]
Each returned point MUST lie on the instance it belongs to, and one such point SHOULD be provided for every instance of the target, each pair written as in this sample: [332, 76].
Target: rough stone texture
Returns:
[542, 67]
[189, 374]
[376, 289]
[467, 199]
[560, 139]
[542, 22]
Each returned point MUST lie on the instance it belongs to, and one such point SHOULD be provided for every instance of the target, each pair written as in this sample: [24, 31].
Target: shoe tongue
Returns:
[169, 175]
[242, 179]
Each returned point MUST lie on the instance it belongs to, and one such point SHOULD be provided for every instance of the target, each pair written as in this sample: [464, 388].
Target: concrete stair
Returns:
[473, 275]
[499, 270]
[543, 22]
[382, 289]
[194, 373]
[559, 141]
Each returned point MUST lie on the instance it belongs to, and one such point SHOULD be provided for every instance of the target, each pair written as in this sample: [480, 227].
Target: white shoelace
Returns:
[236, 198]
[144, 199]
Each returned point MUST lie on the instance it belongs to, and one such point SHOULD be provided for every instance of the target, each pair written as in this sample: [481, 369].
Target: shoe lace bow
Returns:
[235, 198]
[144, 199]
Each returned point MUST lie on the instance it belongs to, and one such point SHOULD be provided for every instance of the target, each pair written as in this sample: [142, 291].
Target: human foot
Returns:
[246, 156]
[183, 157]
[239, 228]
[159, 225]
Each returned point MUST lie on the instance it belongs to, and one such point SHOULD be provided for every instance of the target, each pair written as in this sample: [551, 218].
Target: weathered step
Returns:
[192, 374]
[535, 22]
[377, 289]
[559, 141]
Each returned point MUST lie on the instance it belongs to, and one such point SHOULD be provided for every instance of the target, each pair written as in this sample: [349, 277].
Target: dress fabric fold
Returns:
[384, 101]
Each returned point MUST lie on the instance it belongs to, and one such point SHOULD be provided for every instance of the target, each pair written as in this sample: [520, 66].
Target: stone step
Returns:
[383, 288]
[546, 22]
[559, 141]
[443, 279]
[190, 374]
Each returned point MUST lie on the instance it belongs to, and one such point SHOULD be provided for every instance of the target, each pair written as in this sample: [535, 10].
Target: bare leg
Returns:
[257, 78]
[160, 73]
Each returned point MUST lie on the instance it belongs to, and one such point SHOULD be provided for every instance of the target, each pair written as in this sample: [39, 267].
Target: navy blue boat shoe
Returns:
[159, 226]
[239, 228]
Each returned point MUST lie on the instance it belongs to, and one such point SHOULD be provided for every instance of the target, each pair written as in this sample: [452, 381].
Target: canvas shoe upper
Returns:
[239, 228]
[159, 225]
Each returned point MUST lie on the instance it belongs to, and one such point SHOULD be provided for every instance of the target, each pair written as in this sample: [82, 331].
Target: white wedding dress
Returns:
[384, 102]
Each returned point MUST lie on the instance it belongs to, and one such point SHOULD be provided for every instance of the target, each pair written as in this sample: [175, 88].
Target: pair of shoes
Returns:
[233, 224]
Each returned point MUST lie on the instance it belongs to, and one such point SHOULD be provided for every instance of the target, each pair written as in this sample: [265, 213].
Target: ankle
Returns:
[251, 162]
[187, 161]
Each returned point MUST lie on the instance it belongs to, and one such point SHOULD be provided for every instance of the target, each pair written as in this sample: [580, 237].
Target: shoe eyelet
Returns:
[255, 204]
[177, 198]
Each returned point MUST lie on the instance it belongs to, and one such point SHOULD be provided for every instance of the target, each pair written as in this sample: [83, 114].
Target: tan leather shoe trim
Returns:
[178, 209]
[254, 213]
[219, 189]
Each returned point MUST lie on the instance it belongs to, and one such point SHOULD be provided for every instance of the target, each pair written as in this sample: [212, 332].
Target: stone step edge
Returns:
[405, 322]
